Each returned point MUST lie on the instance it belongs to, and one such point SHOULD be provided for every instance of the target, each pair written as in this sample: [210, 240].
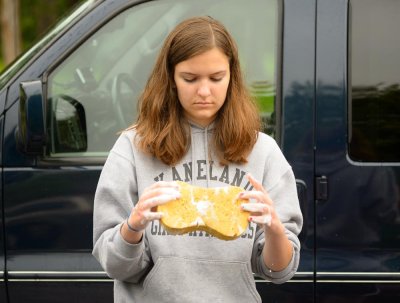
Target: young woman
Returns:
[196, 124]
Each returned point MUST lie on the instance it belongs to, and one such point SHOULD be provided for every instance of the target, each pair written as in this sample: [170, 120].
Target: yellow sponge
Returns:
[214, 210]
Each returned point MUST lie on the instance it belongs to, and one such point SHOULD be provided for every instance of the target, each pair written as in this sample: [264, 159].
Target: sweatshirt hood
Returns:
[200, 148]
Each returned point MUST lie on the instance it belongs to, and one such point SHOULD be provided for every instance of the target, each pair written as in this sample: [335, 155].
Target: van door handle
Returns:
[321, 188]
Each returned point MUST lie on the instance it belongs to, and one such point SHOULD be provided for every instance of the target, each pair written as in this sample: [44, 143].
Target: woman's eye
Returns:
[216, 79]
[189, 80]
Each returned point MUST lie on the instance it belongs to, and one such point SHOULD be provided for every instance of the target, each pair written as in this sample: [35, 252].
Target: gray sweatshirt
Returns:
[194, 267]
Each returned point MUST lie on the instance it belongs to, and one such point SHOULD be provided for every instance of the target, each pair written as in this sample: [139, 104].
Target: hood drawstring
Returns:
[206, 154]
[194, 166]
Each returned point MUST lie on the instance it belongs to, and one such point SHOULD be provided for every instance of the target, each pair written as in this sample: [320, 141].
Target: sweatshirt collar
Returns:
[200, 128]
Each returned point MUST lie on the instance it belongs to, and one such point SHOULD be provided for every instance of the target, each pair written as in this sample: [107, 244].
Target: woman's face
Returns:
[202, 84]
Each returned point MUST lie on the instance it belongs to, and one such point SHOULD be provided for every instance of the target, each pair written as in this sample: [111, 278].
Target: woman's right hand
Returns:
[145, 209]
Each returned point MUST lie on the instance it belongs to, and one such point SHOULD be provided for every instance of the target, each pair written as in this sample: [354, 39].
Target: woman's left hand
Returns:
[278, 250]
[262, 211]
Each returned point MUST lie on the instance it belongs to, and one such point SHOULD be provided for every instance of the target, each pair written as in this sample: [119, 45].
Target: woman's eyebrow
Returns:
[218, 73]
[187, 74]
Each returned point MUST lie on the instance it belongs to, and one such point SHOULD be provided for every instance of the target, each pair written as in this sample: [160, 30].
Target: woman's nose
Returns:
[204, 90]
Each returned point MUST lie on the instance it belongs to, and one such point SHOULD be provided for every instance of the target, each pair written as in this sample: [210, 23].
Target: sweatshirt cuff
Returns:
[284, 275]
[126, 249]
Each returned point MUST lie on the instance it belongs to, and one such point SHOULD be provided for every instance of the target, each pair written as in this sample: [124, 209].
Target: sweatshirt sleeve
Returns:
[115, 196]
[280, 183]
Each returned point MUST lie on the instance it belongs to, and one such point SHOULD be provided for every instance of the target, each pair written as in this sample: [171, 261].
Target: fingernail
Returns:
[245, 206]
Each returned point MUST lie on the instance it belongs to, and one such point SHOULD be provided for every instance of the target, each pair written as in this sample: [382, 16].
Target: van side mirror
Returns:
[31, 132]
[68, 125]
[66, 117]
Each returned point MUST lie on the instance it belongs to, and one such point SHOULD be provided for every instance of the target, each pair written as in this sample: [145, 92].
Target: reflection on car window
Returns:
[106, 74]
[374, 135]
[21, 61]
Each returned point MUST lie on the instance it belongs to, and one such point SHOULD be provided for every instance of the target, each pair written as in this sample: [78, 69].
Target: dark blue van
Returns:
[326, 76]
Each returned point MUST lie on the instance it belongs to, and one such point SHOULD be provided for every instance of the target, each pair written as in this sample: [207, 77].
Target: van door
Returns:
[357, 156]
[297, 134]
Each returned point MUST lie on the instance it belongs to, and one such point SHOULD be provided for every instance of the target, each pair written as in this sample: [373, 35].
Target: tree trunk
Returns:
[10, 30]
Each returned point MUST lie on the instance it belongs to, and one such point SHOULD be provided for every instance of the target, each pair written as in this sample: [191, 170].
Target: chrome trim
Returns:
[57, 276]
[60, 280]
[358, 273]
[358, 277]
[54, 272]
[96, 273]
[290, 281]
[101, 276]
[360, 281]
[299, 277]
[257, 281]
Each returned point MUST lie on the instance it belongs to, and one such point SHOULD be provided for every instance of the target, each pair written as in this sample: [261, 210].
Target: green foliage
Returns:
[264, 94]
[37, 17]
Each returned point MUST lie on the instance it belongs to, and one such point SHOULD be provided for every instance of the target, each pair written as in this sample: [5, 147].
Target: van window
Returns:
[92, 94]
[374, 107]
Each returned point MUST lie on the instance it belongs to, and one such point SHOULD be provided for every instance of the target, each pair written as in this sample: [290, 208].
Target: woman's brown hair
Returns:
[161, 127]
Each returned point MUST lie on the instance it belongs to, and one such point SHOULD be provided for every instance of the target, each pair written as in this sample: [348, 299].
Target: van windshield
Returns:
[21, 60]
